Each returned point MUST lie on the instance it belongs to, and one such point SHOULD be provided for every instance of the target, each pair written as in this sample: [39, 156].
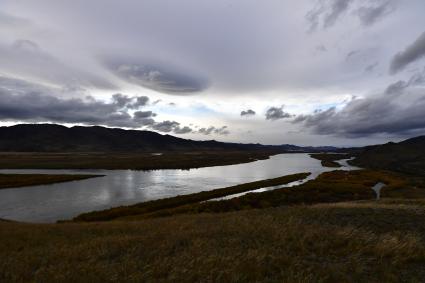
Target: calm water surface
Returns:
[49, 203]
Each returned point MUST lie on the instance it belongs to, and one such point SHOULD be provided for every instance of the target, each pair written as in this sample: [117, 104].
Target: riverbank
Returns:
[184, 200]
[335, 186]
[8, 181]
[135, 161]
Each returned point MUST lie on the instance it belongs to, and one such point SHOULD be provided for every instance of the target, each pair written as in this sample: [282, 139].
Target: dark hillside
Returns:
[407, 156]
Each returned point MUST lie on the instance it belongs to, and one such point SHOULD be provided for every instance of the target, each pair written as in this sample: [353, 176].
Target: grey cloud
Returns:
[154, 44]
[371, 67]
[129, 102]
[369, 15]
[397, 111]
[171, 126]
[184, 130]
[25, 44]
[412, 53]
[321, 48]
[248, 112]
[351, 54]
[337, 8]
[11, 21]
[25, 58]
[213, 130]
[121, 100]
[140, 102]
[23, 101]
[327, 12]
[276, 113]
[159, 77]
[165, 126]
[417, 79]
[143, 114]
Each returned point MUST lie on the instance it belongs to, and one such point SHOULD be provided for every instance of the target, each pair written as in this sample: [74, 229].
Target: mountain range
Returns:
[57, 138]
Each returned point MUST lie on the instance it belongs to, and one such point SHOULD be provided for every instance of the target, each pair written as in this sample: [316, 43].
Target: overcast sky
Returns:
[307, 72]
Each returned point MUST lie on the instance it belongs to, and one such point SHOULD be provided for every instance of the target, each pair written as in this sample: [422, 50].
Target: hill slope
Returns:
[345, 242]
[407, 156]
[57, 138]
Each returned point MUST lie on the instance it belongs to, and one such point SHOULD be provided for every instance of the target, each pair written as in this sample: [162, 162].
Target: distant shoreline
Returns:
[15, 181]
[128, 160]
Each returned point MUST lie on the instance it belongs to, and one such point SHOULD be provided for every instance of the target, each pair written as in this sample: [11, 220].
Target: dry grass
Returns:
[346, 242]
[22, 180]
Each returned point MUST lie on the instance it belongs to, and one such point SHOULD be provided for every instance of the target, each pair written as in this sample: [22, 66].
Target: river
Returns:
[49, 203]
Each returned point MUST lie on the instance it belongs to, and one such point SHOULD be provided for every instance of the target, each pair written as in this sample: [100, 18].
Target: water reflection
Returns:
[49, 203]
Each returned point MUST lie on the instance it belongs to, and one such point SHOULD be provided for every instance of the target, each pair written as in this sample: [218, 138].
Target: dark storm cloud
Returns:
[399, 110]
[159, 77]
[277, 113]
[412, 53]
[248, 112]
[23, 101]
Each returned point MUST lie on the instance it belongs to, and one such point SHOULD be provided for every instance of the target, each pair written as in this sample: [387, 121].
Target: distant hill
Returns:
[57, 138]
[407, 156]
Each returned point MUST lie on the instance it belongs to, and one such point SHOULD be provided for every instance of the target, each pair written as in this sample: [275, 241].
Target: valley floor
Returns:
[328, 230]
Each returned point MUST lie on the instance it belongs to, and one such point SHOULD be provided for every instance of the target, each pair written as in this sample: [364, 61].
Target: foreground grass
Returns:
[363, 241]
[329, 159]
[169, 203]
[136, 161]
[22, 180]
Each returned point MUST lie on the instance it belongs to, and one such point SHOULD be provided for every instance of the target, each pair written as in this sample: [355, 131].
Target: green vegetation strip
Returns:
[23, 180]
[167, 203]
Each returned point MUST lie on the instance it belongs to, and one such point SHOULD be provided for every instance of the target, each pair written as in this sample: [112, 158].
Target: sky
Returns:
[306, 72]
